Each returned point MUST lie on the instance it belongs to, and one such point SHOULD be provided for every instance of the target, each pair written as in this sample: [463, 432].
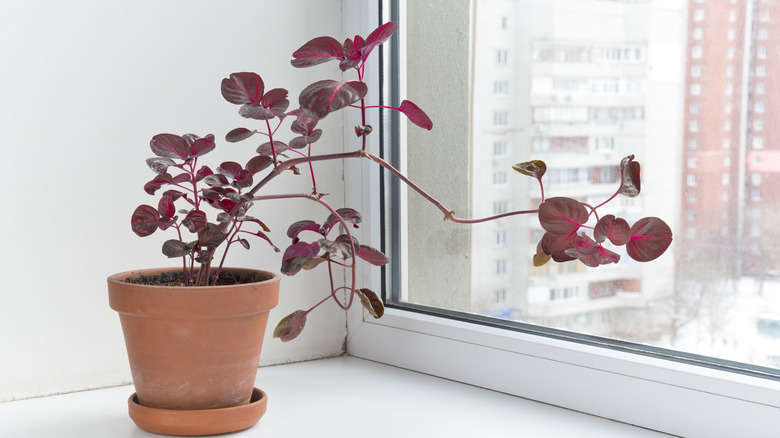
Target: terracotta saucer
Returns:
[201, 421]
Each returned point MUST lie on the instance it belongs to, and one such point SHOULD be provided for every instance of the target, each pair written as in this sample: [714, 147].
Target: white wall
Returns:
[84, 85]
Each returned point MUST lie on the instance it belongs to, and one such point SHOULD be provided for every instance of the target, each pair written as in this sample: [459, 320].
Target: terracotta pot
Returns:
[193, 348]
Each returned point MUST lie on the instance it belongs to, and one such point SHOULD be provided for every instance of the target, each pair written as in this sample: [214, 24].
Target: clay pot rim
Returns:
[119, 277]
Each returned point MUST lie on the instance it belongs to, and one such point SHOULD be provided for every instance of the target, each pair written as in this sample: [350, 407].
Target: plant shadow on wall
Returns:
[231, 189]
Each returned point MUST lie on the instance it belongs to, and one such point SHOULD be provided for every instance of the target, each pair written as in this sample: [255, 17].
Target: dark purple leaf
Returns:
[170, 146]
[243, 88]
[371, 302]
[629, 177]
[561, 215]
[202, 146]
[276, 101]
[203, 172]
[258, 163]
[345, 245]
[373, 256]
[601, 256]
[298, 143]
[297, 255]
[239, 134]
[321, 98]
[378, 36]
[175, 248]
[265, 148]
[230, 169]
[650, 237]
[152, 186]
[182, 178]
[556, 245]
[348, 214]
[290, 326]
[166, 208]
[613, 228]
[297, 227]
[317, 51]
[195, 220]
[159, 165]
[211, 236]
[256, 111]
[304, 128]
[535, 169]
[216, 180]
[328, 246]
[416, 115]
[144, 220]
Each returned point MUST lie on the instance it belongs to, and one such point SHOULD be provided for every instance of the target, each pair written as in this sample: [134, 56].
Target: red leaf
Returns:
[297, 255]
[416, 115]
[615, 229]
[276, 101]
[297, 227]
[202, 146]
[238, 134]
[377, 37]
[144, 220]
[256, 111]
[194, 221]
[373, 256]
[152, 186]
[258, 163]
[348, 214]
[170, 146]
[556, 246]
[317, 51]
[323, 97]
[230, 168]
[242, 88]
[629, 177]
[562, 216]
[166, 208]
[290, 326]
[650, 237]
[265, 148]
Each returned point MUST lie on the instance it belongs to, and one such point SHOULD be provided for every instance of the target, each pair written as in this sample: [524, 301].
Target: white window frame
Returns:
[659, 394]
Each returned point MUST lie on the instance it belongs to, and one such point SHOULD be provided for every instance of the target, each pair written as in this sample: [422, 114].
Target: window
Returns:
[695, 89]
[761, 71]
[693, 126]
[501, 88]
[758, 142]
[696, 52]
[759, 107]
[695, 71]
[691, 179]
[500, 118]
[502, 57]
[499, 178]
[500, 238]
[426, 329]
[761, 53]
[500, 149]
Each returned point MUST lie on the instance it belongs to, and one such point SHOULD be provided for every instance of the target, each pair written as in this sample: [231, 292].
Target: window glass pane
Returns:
[589, 82]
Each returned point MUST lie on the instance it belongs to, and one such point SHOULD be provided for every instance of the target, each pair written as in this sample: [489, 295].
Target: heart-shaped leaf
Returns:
[297, 255]
[371, 302]
[535, 169]
[290, 326]
[373, 256]
[175, 248]
[321, 98]
[650, 237]
[170, 146]
[256, 111]
[276, 101]
[258, 163]
[317, 51]
[629, 177]
[203, 172]
[556, 245]
[202, 146]
[144, 220]
[416, 115]
[613, 228]
[561, 215]
[239, 134]
[159, 165]
[166, 208]
[243, 88]
[195, 220]
[230, 169]
[211, 236]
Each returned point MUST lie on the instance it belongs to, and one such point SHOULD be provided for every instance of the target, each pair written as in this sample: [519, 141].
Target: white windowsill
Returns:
[340, 397]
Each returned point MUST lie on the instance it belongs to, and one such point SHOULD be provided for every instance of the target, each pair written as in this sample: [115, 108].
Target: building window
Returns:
[758, 124]
[761, 71]
[690, 197]
[504, 22]
[604, 144]
[761, 53]
[692, 162]
[693, 126]
[500, 207]
[500, 118]
[697, 33]
[499, 296]
[695, 71]
[755, 178]
[759, 107]
[499, 178]
[695, 89]
[727, 125]
[698, 15]
[758, 142]
[501, 88]
[500, 149]
[763, 33]
[727, 108]
[724, 179]
[729, 89]
[693, 143]
[730, 53]
[500, 267]
[690, 180]
[694, 108]
[502, 57]
[730, 35]
[729, 71]
[499, 238]
[760, 88]
[763, 15]
[696, 52]
[727, 143]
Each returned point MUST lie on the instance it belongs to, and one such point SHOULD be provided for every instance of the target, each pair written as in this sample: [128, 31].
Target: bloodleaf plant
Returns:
[231, 189]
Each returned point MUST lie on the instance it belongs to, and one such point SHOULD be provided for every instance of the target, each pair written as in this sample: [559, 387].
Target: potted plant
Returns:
[194, 333]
